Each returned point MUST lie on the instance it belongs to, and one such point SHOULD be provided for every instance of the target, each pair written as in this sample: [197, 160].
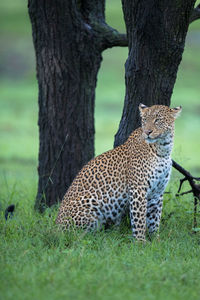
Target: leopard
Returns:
[129, 179]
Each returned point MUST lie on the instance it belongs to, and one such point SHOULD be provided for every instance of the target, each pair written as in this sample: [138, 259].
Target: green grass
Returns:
[39, 262]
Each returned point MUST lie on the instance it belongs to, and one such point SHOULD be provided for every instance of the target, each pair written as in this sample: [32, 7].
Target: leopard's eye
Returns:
[157, 121]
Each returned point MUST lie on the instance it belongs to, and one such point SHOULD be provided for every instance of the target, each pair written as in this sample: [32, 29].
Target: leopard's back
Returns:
[98, 194]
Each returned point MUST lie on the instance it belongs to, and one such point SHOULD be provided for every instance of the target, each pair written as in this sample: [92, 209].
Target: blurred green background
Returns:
[18, 98]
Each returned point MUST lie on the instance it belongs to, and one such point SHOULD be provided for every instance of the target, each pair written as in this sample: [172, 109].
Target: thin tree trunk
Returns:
[69, 37]
[156, 31]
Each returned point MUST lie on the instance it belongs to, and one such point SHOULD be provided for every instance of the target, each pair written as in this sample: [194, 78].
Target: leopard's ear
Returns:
[176, 111]
[142, 108]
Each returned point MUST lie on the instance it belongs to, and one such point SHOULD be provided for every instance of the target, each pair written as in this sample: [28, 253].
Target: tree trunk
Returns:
[69, 37]
[156, 33]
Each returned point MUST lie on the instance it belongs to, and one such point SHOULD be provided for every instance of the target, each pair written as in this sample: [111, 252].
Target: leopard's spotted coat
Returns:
[130, 177]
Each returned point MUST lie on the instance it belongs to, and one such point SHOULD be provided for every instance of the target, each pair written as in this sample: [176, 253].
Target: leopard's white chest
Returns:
[159, 178]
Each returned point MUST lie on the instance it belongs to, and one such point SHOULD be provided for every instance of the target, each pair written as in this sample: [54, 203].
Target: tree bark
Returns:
[69, 37]
[156, 33]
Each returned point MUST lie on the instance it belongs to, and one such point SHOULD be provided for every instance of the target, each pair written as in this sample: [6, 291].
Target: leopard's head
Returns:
[158, 121]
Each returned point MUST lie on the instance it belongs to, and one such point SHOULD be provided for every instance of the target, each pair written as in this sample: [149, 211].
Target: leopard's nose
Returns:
[148, 131]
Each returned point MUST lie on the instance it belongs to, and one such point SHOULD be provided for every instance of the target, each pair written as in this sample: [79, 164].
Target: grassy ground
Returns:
[37, 261]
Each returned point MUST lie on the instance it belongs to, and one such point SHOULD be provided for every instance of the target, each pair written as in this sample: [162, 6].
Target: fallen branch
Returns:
[195, 188]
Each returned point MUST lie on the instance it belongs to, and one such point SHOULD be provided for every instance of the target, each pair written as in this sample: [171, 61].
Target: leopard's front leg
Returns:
[138, 209]
[154, 210]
